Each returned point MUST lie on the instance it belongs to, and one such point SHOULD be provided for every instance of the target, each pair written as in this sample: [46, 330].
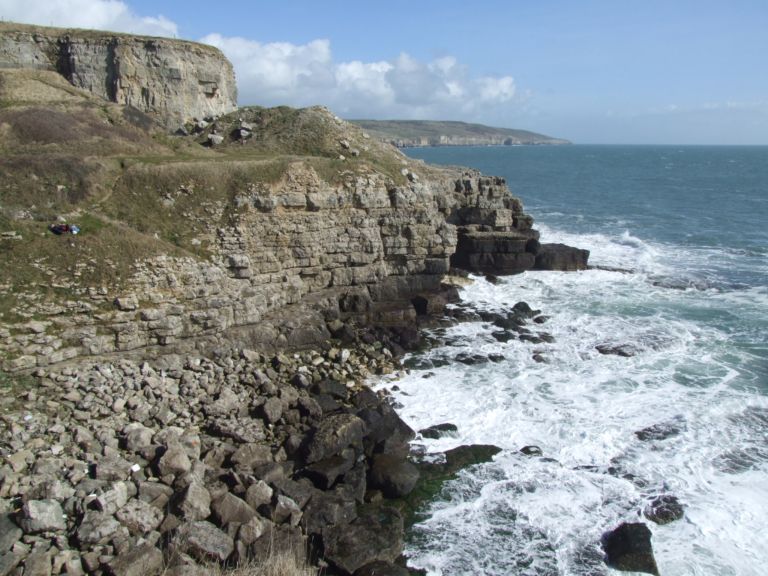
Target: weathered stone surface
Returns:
[327, 509]
[96, 526]
[376, 535]
[629, 548]
[205, 542]
[110, 501]
[38, 564]
[9, 533]
[42, 516]
[230, 508]
[137, 436]
[561, 257]
[143, 560]
[252, 454]
[174, 461]
[325, 472]
[140, 517]
[393, 475]
[334, 435]
[258, 494]
[172, 79]
[195, 503]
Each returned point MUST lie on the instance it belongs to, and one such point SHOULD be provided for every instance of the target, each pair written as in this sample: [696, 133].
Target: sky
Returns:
[591, 71]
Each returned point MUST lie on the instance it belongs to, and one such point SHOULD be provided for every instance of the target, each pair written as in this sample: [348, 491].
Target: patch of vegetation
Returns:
[433, 477]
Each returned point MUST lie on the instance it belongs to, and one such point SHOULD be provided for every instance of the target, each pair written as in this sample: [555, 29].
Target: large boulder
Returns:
[629, 548]
[204, 541]
[376, 535]
[334, 434]
[393, 475]
[561, 257]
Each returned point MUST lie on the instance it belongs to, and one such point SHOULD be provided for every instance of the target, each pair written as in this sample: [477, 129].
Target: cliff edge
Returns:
[173, 80]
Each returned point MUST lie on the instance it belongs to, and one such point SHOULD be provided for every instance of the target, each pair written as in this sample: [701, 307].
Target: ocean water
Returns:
[690, 227]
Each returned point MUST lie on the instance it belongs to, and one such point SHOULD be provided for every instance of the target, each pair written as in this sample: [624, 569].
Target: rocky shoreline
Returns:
[166, 466]
[112, 466]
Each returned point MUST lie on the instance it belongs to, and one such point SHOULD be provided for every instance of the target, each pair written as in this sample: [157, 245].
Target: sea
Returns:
[678, 237]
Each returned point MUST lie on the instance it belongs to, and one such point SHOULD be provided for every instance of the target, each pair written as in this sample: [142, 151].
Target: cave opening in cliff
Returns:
[420, 304]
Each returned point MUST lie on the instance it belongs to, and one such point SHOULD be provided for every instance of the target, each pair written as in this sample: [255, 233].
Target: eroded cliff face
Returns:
[300, 259]
[173, 80]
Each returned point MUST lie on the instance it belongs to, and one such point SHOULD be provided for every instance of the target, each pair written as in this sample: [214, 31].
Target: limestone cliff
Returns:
[173, 80]
[283, 228]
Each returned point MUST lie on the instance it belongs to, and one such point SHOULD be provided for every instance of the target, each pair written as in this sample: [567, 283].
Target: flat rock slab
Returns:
[143, 560]
[42, 516]
[205, 541]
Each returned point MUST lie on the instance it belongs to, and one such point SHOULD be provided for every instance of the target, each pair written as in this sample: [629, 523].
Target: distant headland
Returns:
[415, 133]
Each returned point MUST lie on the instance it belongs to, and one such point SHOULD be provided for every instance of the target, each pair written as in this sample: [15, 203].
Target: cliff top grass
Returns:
[89, 34]
[137, 192]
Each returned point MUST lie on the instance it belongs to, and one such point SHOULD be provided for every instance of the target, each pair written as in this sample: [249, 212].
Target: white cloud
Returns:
[307, 74]
[99, 14]
[497, 89]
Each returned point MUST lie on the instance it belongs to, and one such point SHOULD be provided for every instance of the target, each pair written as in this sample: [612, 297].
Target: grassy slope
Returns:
[135, 191]
[433, 129]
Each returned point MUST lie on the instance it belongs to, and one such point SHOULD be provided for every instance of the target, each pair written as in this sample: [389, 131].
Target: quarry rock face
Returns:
[172, 80]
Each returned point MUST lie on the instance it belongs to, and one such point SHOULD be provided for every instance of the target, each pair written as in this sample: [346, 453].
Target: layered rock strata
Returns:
[173, 80]
[301, 259]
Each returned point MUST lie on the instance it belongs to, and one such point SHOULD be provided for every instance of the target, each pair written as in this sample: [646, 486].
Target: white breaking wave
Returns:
[537, 516]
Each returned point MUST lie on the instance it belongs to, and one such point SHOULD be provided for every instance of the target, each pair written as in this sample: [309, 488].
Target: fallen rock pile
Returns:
[124, 468]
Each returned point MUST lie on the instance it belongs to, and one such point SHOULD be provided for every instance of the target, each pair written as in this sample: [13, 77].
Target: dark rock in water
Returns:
[492, 279]
[561, 257]
[664, 509]
[660, 431]
[531, 451]
[503, 335]
[623, 350]
[531, 338]
[439, 430]
[376, 535]
[393, 475]
[464, 456]
[523, 309]
[540, 319]
[496, 357]
[628, 548]
[471, 359]
[511, 321]
[493, 252]
[539, 359]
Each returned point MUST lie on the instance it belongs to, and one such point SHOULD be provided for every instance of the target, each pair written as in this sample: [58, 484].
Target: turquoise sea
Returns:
[688, 227]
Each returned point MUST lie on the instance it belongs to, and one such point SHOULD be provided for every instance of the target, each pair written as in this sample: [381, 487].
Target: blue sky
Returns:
[592, 71]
